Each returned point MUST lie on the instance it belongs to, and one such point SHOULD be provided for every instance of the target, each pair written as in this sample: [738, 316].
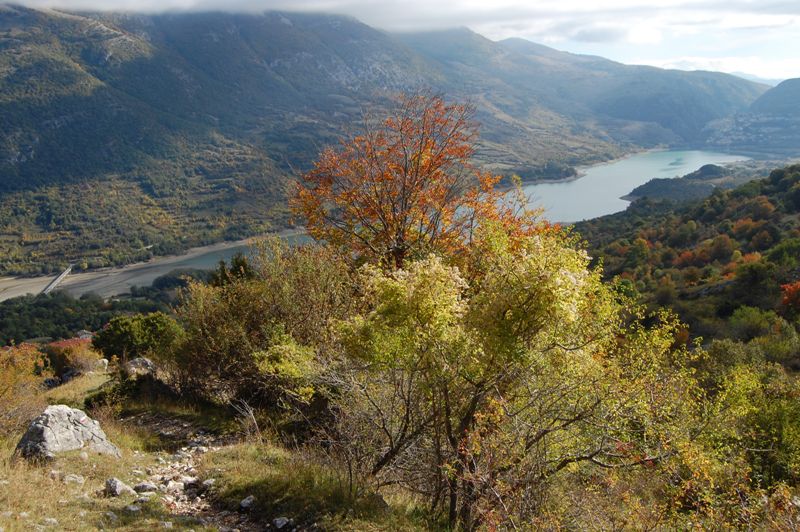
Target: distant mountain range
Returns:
[124, 135]
[770, 127]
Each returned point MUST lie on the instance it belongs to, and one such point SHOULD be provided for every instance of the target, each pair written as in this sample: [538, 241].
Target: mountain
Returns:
[125, 135]
[783, 99]
[766, 81]
[769, 127]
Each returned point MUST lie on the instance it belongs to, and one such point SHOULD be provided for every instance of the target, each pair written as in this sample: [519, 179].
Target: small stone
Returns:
[145, 486]
[137, 472]
[24, 515]
[247, 503]
[84, 456]
[56, 475]
[133, 508]
[174, 487]
[166, 524]
[111, 516]
[74, 479]
[280, 522]
[115, 487]
[4, 482]
[208, 483]
[50, 521]
[7, 515]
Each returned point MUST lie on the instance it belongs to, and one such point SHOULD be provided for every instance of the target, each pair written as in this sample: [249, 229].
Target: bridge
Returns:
[55, 282]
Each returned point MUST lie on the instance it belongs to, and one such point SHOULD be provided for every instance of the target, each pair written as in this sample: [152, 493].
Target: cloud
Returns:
[664, 28]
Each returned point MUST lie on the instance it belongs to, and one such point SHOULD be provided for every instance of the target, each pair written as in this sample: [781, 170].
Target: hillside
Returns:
[769, 127]
[123, 136]
[708, 259]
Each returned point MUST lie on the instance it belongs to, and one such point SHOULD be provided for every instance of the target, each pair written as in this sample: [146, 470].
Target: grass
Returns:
[30, 494]
[295, 485]
[289, 483]
[74, 392]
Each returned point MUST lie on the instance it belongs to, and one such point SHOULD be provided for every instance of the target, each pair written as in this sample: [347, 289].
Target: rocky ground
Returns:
[163, 489]
[175, 479]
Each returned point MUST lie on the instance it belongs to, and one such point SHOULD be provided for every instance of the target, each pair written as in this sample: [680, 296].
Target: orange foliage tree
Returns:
[791, 298]
[406, 186]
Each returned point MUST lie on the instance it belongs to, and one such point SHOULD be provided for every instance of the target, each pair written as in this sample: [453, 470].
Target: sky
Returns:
[756, 37]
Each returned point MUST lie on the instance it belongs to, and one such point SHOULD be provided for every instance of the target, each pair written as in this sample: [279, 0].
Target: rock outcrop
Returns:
[60, 429]
[140, 367]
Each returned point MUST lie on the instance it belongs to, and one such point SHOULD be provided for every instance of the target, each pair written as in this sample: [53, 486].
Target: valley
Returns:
[128, 136]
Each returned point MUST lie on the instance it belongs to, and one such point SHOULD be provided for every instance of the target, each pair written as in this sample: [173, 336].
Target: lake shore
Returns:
[115, 280]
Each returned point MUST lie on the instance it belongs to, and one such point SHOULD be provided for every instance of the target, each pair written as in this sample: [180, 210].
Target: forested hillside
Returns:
[730, 265]
[123, 136]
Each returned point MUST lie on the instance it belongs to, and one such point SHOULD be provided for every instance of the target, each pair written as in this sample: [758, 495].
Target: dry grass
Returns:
[29, 494]
[74, 392]
[295, 485]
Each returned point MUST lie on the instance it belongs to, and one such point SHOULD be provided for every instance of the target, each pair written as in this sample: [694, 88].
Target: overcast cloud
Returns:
[758, 37]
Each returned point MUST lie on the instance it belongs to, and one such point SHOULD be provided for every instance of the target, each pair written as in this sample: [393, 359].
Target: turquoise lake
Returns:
[598, 192]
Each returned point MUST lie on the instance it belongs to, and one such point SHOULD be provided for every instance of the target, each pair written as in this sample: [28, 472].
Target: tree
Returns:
[138, 335]
[240, 269]
[475, 393]
[403, 187]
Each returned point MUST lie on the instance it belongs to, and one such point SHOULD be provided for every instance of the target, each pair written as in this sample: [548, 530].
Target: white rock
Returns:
[174, 487]
[133, 508]
[280, 522]
[50, 521]
[166, 524]
[61, 428]
[74, 479]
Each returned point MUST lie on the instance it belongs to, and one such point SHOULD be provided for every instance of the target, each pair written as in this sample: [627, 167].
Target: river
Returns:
[599, 189]
[596, 193]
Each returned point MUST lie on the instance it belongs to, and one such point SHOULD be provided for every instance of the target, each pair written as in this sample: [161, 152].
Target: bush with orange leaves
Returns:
[791, 299]
[20, 379]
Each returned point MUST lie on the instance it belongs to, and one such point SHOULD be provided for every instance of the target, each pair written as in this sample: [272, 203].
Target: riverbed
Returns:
[109, 282]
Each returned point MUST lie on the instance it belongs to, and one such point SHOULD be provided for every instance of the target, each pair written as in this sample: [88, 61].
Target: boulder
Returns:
[61, 428]
[140, 367]
[142, 487]
[115, 488]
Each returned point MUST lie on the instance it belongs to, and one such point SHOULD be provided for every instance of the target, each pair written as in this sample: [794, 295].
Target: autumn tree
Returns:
[477, 393]
[404, 186]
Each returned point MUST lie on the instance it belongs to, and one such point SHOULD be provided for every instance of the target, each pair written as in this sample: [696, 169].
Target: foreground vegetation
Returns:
[448, 361]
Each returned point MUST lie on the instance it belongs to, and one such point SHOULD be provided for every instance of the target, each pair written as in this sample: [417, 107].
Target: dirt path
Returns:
[184, 492]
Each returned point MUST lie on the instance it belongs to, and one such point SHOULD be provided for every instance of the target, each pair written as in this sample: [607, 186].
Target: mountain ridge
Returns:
[204, 118]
